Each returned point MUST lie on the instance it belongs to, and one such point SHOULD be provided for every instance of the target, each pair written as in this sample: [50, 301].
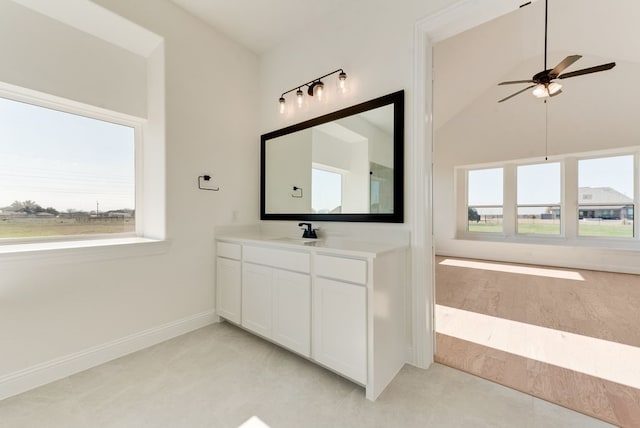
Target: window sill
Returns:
[610, 256]
[615, 243]
[83, 250]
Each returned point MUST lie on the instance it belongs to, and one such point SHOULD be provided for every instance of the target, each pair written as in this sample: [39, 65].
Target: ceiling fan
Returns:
[543, 83]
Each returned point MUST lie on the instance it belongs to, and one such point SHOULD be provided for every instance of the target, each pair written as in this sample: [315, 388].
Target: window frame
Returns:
[558, 205]
[330, 169]
[467, 206]
[636, 174]
[569, 205]
[40, 99]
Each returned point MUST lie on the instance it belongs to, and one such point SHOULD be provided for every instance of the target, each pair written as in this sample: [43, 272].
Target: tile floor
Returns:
[221, 376]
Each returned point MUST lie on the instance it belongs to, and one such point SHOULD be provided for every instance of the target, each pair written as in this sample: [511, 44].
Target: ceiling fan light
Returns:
[554, 87]
[540, 91]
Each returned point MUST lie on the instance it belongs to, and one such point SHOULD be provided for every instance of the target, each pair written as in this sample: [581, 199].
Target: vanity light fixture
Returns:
[299, 97]
[315, 88]
[342, 82]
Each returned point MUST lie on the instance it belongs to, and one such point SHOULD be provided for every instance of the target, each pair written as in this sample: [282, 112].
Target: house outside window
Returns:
[605, 196]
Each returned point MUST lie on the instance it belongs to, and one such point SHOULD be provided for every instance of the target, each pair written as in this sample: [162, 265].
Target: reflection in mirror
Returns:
[346, 166]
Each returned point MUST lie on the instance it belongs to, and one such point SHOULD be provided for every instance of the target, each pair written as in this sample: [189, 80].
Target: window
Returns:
[605, 196]
[326, 191]
[538, 208]
[64, 174]
[484, 200]
[587, 197]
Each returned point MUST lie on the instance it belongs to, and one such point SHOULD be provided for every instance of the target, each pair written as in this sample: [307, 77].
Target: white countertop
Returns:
[336, 245]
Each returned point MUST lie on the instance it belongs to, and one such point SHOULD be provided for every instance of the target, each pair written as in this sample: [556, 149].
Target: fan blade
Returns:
[511, 82]
[517, 93]
[595, 69]
[562, 65]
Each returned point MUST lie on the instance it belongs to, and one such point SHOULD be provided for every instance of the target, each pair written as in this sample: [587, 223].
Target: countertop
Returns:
[335, 245]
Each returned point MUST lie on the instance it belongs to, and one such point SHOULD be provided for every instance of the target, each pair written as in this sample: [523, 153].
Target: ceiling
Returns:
[468, 66]
[262, 25]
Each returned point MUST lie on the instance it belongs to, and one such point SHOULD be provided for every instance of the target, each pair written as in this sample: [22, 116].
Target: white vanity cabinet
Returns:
[228, 281]
[276, 296]
[340, 315]
[341, 304]
[257, 286]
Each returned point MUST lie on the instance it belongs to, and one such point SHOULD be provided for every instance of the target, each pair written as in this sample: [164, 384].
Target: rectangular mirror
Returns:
[344, 166]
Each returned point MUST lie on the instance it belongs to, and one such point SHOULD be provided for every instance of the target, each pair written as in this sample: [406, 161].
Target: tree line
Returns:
[30, 207]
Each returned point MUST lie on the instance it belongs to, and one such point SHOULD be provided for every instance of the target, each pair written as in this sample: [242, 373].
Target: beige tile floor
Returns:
[220, 376]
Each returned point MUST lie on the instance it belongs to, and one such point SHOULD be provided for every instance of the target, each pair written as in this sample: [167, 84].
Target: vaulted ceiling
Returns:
[467, 67]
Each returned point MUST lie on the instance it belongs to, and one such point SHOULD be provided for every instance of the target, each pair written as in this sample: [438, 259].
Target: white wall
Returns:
[283, 174]
[48, 56]
[351, 157]
[373, 44]
[62, 305]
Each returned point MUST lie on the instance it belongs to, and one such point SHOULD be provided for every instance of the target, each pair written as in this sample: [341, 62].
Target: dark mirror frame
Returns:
[397, 100]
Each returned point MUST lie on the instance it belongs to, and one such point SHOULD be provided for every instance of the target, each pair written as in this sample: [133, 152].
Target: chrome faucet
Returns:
[308, 231]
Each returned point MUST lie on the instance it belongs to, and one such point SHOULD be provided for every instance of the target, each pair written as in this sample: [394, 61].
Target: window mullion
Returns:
[636, 193]
[462, 191]
[570, 198]
[510, 201]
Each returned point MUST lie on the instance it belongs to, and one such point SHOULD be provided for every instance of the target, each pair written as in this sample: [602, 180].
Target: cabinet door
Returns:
[228, 289]
[292, 311]
[340, 327]
[257, 284]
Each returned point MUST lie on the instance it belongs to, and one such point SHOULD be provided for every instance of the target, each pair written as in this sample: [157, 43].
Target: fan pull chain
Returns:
[546, 130]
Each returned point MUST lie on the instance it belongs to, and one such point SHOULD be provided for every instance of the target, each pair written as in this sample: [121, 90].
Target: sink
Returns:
[298, 241]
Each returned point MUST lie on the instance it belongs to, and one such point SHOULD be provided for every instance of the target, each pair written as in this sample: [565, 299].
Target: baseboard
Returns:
[41, 374]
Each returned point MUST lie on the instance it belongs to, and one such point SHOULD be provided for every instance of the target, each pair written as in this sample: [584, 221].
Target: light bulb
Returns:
[343, 86]
[318, 91]
[540, 91]
[554, 87]
[281, 101]
[299, 97]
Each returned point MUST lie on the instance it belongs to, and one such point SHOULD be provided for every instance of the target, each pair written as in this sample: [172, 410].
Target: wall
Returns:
[350, 156]
[67, 305]
[283, 174]
[372, 41]
[595, 112]
[42, 54]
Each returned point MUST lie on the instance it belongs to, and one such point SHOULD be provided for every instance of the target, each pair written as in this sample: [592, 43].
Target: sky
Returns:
[64, 161]
[540, 183]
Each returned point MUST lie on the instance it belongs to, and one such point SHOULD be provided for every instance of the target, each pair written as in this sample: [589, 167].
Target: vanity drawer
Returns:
[350, 270]
[283, 259]
[228, 250]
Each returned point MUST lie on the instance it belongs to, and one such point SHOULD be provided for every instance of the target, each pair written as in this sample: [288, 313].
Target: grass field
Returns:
[29, 228]
[606, 229]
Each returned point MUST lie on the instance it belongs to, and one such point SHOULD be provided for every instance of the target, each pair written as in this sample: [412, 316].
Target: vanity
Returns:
[340, 302]
[337, 302]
